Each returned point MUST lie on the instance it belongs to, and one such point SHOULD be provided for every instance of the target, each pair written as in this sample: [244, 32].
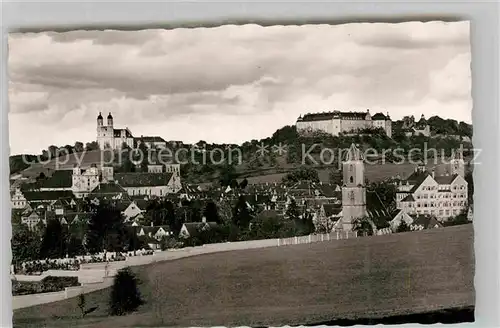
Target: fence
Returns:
[96, 276]
[316, 238]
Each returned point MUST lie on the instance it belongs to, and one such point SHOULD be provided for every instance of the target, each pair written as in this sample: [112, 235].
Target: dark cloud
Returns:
[267, 74]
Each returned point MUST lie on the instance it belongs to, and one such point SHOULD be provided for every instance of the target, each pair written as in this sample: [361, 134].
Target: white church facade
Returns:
[109, 137]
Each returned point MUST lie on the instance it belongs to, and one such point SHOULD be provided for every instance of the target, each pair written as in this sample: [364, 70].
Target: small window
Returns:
[351, 179]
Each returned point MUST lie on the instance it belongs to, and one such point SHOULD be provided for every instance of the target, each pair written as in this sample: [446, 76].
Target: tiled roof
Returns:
[379, 117]
[152, 139]
[445, 180]
[109, 188]
[331, 115]
[118, 133]
[47, 195]
[142, 179]
[408, 198]
[425, 220]
[332, 209]
[60, 179]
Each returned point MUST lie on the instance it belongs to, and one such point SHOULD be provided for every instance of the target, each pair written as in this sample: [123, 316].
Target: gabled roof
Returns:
[152, 139]
[109, 188]
[425, 220]
[60, 179]
[408, 198]
[332, 209]
[142, 179]
[446, 179]
[47, 195]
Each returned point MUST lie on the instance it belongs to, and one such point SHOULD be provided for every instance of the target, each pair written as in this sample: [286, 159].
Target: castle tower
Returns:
[457, 164]
[353, 189]
[110, 120]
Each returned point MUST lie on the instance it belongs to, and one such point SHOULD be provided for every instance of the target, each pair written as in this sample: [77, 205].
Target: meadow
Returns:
[369, 277]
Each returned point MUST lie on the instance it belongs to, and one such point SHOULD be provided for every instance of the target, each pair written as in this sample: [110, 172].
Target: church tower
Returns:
[110, 120]
[100, 121]
[457, 164]
[353, 189]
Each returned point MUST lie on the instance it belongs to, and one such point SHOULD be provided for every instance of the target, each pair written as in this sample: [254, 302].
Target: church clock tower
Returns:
[353, 189]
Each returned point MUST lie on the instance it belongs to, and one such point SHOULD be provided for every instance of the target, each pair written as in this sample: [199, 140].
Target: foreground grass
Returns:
[371, 277]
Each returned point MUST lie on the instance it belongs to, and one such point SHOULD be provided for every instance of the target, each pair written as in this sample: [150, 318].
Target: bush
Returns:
[125, 296]
[47, 285]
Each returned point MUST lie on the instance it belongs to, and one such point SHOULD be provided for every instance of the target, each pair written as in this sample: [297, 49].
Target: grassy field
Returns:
[370, 277]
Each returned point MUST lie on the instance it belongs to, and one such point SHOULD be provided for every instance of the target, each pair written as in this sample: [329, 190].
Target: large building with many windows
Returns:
[337, 122]
[442, 196]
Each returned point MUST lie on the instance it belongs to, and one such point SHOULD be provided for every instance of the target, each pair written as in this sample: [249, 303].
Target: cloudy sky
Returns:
[230, 83]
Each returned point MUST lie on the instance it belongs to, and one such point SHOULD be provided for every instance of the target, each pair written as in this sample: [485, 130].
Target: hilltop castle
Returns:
[337, 122]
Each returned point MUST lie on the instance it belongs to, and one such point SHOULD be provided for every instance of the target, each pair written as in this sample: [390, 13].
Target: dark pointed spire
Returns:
[109, 116]
[353, 154]
[100, 116]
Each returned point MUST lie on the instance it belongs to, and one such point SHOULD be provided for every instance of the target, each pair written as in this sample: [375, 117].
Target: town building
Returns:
[338, 122]
[422, 128]
[443, 196]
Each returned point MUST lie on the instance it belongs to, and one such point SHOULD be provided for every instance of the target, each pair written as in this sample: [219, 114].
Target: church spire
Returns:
[353, 154]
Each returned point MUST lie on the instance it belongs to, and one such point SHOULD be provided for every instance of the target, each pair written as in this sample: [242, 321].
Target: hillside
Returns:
[370, 277]
[272, 164]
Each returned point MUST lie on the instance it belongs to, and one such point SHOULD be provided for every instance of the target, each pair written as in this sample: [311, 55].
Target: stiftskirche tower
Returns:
[353, 188]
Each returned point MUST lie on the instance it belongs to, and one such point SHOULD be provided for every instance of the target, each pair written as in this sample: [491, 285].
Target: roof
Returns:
[331, 115]
[100, 116]
[118, 133]
[408, 198]
[445, 179]
[109, 116]
[194, 227]
[109, 188]
[142, 179]
[60, 179]
[379, 117]
[332, 209]
[47, 195]
[425, 220]
[152, 139]
[353, 154]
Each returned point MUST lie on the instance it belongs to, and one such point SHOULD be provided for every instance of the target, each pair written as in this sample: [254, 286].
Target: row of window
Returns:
[440, 204]
[440, 195]
[442, 188]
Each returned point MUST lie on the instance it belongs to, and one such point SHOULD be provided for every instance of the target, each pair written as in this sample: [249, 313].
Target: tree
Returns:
[227, 174]
[81, 303]
[210, 212]
[125, 296]
[75, 246]
[106, 230]
[241, 213]
[53, 242]
[25, 244]
[292, 211]
[335, 176]
[78, 147]
[243, 183]
[363, 226]
[403, 227]
[90, 146]
[52, 151]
